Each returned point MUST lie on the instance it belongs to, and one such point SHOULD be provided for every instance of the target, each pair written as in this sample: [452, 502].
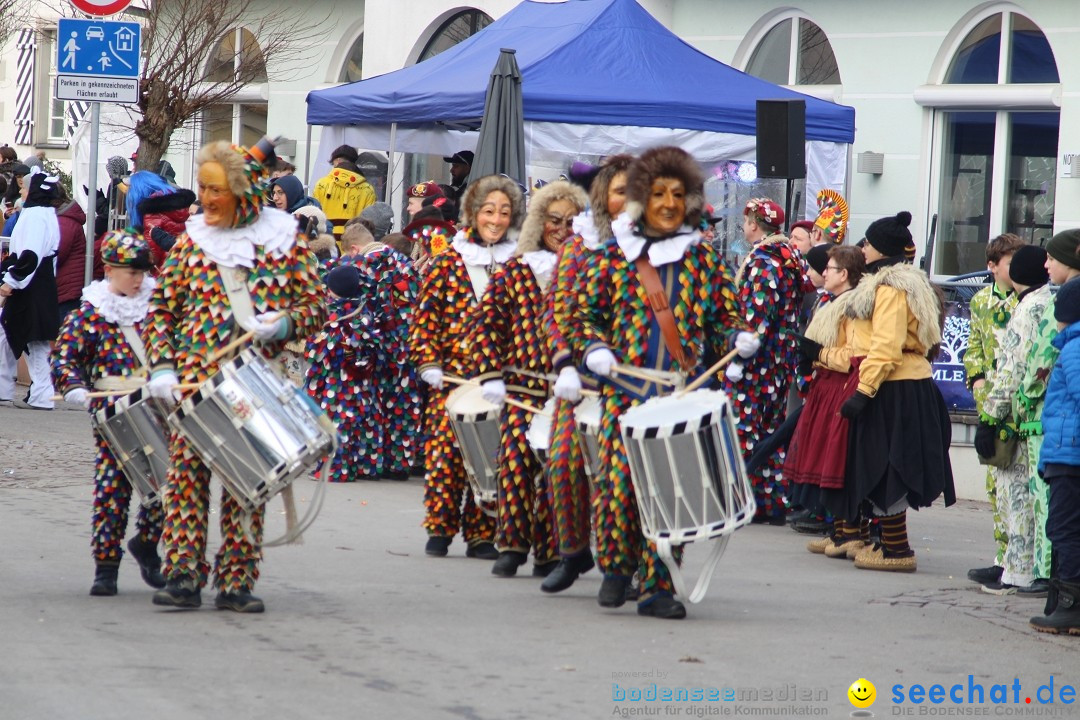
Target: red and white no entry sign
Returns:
[101, 7]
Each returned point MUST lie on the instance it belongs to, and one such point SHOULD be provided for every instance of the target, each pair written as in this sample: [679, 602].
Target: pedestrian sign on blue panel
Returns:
[98, 48]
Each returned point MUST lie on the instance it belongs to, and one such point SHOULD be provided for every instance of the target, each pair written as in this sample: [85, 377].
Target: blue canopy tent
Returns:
[598, 76]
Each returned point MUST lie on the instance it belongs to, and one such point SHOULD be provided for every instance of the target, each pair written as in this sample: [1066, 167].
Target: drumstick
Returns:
[242, 340]
[631, 371]
[118, 393]
[708, 373]
[509, 401]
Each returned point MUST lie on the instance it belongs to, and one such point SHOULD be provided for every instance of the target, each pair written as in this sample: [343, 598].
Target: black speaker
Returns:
[781, 139]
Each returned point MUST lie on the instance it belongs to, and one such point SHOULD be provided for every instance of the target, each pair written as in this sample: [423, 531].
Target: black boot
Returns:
[437, 546]
[149, 561]
[508, 563]
[241, 602]
[613, 591]
[568, 570]
[482, 551]
[662, 606]
[179, 592]
[105, 579]
[1065, 617]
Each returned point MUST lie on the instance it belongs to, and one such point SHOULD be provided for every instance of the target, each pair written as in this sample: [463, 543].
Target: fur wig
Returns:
[598, 191]
[226, 156]
[665, 162]
[478, 191]
[532, 230]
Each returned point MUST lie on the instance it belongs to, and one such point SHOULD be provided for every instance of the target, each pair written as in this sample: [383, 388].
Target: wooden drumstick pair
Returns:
[242, 340]
[631, 371]
[120, 393]
[549, 377]
[509, 401]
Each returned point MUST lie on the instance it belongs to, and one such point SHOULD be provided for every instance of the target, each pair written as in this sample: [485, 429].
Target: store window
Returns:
[999, 166]
[794, 51]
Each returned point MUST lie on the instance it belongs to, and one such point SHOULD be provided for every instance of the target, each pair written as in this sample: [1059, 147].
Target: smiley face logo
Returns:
[862, 693]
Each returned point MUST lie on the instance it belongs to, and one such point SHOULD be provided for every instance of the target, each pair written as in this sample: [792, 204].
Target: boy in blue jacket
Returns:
[1059, 465]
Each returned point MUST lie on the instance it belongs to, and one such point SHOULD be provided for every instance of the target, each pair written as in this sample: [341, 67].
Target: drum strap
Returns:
[235, 281]
[478, 277]
[133, 339]
[658, 301]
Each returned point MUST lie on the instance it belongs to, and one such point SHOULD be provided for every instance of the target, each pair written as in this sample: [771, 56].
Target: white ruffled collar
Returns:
[585, 226]
[542, 263]
[275, 231]
[476, 254]
[661, 252]
[119, 309]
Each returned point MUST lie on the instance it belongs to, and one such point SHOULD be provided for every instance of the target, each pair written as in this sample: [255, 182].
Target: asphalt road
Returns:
[360, 624]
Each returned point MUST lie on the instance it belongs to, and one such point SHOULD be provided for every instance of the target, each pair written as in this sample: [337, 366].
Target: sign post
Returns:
[97, 61]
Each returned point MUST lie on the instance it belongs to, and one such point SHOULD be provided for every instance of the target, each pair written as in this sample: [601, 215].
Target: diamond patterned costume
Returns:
[190, 317]
[90, 349]
[508, 335]
[770, 284]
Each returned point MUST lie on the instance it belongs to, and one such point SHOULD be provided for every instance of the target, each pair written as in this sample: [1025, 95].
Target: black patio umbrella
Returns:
[500, 148]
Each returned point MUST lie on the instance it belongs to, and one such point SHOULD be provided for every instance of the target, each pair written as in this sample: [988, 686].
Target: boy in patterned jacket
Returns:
[99, 347]
[990, 309]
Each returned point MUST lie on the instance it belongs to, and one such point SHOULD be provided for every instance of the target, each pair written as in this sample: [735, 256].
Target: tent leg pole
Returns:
[389, 190]
[307, 160]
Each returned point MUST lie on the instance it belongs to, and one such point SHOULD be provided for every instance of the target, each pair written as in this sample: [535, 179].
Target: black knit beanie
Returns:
[817, 257]
[1029, 266]
[1067, 302]
[1063, 248]
[344, 281]
[890, 235]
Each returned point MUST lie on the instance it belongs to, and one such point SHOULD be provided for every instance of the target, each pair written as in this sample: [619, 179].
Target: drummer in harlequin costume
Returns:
[100, 348]
[240, 266]
[508, 337]
[492, 210]
[617, 325]
[342, 359]
[570, 493]
[770, 282]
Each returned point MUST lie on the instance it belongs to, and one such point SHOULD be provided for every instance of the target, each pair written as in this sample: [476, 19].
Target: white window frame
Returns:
[752, 40]
[1002, 98]
[45, 104]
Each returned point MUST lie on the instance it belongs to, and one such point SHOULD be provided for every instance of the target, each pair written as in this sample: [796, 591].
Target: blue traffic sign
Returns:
[98, 48]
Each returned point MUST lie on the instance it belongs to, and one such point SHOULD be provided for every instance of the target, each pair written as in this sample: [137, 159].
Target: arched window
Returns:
[351, 69]
[999, 163]
[459, 27]
[237, 58]
[787, 56]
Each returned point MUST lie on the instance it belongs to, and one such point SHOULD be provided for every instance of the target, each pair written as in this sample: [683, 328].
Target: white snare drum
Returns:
[587, 421]
[539, 435]
[136, 430]
[475, 422]
[688, 473]
[254, 429]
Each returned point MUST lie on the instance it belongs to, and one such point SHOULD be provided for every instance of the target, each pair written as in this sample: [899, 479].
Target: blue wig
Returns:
[142, 185]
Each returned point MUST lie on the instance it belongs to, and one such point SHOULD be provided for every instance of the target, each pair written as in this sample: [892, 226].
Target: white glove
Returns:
[78, 396]
[163, 385]
[267, 327]
[734, 372]
[601, 361]
[494, 391]
[433, 377]
[747, 343]
[568, 386]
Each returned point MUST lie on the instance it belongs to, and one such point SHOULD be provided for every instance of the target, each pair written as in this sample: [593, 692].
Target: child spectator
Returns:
[991, 309]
